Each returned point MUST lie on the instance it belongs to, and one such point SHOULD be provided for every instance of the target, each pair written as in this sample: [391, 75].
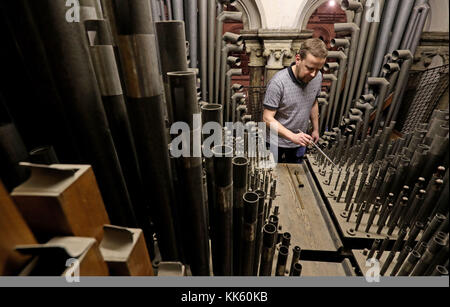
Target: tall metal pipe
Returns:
[369, 50]
[407, 57]
[240, 170]
[267, 252]
[211, 25]
[82, 103]
[172, 50]
[281, 261]
[223, 225]
[364, 27]
[182, 86]
[354, 29]
[342, 67]
[178, 9]
[332, 94]
[432, 250]
[226, 15]
[192, 31]
[107, 73]
[249, 232]
[259, 225]
[203, 30]
[238, 47]
[417, 32]
[401, 21]
[389, 13]
[383, 85]
[367, 108]
[230, 73]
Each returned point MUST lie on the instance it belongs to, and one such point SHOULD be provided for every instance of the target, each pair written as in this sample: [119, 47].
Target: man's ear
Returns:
[297, 57]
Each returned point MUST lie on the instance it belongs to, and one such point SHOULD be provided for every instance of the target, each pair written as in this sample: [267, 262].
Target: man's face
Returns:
[309, 67]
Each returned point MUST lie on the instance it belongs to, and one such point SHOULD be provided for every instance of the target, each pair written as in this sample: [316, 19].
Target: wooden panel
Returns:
[57, 203]
[302, 212]
[125, 252]
[13, 231]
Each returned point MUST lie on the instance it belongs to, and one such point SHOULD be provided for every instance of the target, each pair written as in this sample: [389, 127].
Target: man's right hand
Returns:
[302, 139]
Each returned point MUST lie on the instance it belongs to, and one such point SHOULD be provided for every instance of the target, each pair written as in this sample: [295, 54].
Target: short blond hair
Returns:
[315, 47]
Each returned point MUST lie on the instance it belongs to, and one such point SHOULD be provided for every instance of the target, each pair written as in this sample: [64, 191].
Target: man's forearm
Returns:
[315, 116]
[280, 129]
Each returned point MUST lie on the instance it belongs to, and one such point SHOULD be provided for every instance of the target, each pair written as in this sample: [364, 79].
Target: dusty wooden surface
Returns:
[302, 212]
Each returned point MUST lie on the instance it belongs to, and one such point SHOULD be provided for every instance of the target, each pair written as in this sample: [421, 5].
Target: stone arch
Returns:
[305, 12]
[253, 14]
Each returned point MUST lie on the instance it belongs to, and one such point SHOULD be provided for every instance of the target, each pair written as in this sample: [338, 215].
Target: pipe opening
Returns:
[297, 266]
[283, 250]
[251, 197]
[181, 73]
[269, 228]
[240, 161]
[212, 107]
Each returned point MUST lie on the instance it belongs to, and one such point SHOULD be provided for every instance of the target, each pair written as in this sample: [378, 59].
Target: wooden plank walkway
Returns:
[302, 211]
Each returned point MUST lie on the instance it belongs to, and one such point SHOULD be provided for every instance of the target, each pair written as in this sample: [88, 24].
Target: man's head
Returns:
[311, 59]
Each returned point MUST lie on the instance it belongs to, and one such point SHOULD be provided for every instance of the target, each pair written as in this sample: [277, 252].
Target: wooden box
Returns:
[58, 256]
[61, 200]
[125, 252]
[13, 231]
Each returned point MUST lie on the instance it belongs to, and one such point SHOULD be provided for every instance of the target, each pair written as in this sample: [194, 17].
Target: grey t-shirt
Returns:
[293, 101]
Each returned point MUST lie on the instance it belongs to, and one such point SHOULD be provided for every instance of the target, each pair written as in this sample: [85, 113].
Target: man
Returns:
[291, 101]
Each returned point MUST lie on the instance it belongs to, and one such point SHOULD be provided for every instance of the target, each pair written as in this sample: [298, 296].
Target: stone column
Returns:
[254, 48]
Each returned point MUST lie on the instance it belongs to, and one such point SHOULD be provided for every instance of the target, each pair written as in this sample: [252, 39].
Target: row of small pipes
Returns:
[394, 181]
[389, 43]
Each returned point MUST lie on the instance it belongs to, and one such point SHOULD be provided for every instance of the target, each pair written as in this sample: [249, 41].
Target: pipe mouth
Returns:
[181, 73]
[261, 194]
[297, 249]
[441, 270]
[440, 216]
[286, 235]
[419, 225]
[240, 161]
[441, 235]
[416, 254]
[283, 250]
[269, 228]
[211, 107]
[273, 219]
[396, 55]
[298, 266]
[221, 151]
[251, 197]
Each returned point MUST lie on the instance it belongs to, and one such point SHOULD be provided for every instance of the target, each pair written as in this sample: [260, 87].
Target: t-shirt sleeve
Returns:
[273, 96]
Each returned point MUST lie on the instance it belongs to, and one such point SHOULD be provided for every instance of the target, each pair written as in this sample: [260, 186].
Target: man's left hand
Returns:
[315, 136]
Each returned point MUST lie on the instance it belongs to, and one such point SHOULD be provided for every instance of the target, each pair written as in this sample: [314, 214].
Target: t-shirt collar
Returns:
[291, 74]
